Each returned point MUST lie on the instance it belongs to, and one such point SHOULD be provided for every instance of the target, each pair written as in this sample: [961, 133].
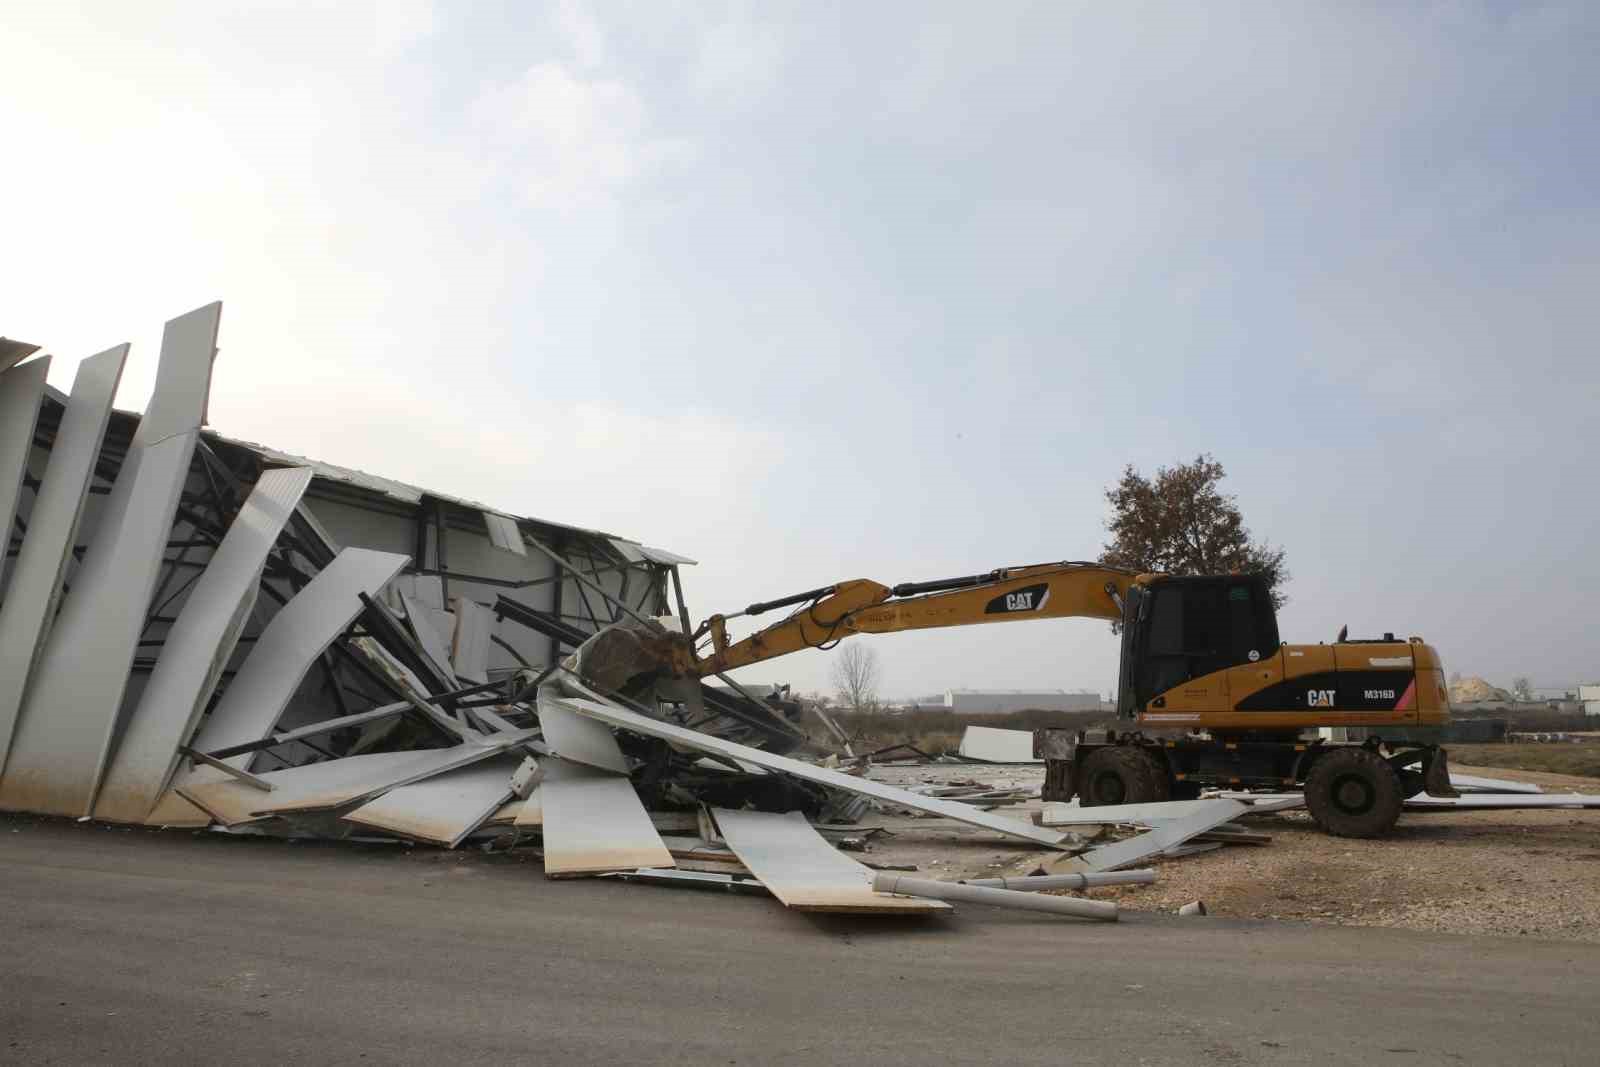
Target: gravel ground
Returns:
[1515, 873]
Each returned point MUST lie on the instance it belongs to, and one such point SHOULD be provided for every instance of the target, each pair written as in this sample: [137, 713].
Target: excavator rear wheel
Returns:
[1353, 792]
[1120, 774]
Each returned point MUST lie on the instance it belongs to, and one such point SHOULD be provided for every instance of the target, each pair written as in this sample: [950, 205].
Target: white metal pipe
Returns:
[1065, 881]
[888, 882]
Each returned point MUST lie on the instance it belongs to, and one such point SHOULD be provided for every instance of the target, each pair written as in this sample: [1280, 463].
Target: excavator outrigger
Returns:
[1209, 694]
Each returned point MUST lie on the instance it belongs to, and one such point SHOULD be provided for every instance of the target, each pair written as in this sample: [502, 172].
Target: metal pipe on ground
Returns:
[886, 882]
[1037, 883]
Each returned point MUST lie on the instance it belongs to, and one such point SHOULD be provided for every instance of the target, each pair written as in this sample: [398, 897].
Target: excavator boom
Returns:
[860, 606]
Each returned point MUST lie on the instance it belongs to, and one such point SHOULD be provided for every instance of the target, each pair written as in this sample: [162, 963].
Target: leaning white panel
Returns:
[70, 716]
[469, 653]
[196, 649]
[805, 871]
[14, 352]
[577, 739]
[30, 604]
[21, 390]
[612, 715]
[299, 633]
[183, 378]
[443, 809]
[504, 533]
[422, 620]
[593, 822]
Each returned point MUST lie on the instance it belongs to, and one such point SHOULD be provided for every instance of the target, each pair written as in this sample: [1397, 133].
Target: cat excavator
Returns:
[1208, 696]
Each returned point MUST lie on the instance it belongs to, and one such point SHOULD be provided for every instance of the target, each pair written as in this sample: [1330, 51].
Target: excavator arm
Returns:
[860, 606]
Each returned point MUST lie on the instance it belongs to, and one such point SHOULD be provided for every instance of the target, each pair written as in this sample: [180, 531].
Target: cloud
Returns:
[567, 137]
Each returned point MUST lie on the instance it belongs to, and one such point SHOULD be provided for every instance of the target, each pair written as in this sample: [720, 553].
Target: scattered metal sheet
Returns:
[69, 719]
[1058, 814]
[727, 883]
[21, 390]
[532, 814]
[504, 532]
[1501, 802]
[507, 813]
[249, 708]
[469, 653]
[424, 625]
[1039, 882]
[1166, 835]
[888, 882]
[196, 649]
[1263, 803]
[594, 707]
[628, 550]
[1491, 785]
[665, 558]
[335, 783]
[991, 745]
[579, 740]
[443, 809]
[594, 822]
[299, 633]
[30, 604]
[803, 870]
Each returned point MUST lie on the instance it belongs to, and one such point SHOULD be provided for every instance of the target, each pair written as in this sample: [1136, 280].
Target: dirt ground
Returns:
[1516, 873]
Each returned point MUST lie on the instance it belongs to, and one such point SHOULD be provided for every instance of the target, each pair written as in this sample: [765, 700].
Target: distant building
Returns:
[1000, 701]
[1589, 697]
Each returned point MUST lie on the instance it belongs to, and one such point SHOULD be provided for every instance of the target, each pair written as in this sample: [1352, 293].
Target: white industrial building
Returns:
[1000, 701]
[1589, 697]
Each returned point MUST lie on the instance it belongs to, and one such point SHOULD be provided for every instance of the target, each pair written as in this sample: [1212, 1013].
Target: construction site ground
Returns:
[1513, 873]
[141, 946]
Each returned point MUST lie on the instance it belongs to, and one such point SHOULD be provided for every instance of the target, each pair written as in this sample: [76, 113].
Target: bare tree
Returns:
[1522, 689]
[855, 676]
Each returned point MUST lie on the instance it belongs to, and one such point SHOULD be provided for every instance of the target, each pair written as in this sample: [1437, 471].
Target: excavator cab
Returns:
[1175, 629]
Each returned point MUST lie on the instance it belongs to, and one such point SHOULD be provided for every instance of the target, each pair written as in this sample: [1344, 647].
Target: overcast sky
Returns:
[813, 291]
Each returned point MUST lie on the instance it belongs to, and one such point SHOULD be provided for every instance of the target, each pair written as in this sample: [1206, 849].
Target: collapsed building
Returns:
[198, 631]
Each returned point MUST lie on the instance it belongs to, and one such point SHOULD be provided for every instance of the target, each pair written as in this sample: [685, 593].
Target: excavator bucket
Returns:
[623, 654]
[1436, 773]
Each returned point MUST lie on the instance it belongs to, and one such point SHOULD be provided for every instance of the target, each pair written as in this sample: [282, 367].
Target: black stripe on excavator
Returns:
[1028, 598]
[798, 598]
[939, 585]
[1335, 690]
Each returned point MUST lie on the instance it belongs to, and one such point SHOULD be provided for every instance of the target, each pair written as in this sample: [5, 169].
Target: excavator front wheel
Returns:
[1120, 774]
[1354, 792]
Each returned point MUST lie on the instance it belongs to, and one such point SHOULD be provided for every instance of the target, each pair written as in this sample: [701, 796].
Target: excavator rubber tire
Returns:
[1354, 792]
[1120, 774]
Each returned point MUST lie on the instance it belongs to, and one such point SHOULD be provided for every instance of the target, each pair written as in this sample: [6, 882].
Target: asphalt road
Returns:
[131, 946]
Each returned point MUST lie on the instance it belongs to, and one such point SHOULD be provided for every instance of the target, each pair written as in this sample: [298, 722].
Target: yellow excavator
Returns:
[1209, 695]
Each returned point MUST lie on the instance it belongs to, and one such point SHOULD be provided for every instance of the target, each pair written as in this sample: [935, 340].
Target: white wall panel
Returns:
[35, 585]
[196, 649]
